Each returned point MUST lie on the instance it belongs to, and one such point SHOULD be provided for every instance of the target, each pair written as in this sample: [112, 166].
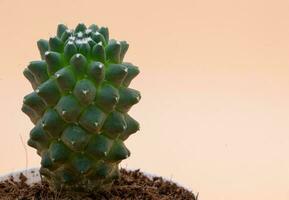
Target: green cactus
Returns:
[79, 107]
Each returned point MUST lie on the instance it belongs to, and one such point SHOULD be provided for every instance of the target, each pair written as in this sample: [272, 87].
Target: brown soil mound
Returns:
[132, 185]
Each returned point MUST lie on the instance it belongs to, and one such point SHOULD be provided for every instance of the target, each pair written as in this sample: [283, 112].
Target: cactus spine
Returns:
[79, 107]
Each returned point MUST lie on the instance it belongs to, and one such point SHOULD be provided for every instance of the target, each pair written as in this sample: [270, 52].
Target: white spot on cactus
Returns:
[100, 43]
[83, 40]
[37, 90]
[77, 55]
[95, 124]
[72, 142]
[126, 69]
[63, 112]
[88, 31]
[47, 53]
[116, 99]
[70, 42]
[80, 34]
[137, 97]
[71, 38]
[57, 75]
[84, 91]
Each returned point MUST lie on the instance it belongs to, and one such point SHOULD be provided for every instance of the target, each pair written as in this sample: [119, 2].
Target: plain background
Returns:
[215, 86]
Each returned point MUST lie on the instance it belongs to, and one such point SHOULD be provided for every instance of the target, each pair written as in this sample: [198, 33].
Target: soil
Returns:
[132, 185]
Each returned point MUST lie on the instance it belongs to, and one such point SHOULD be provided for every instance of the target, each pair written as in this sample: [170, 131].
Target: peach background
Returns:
[215, 85]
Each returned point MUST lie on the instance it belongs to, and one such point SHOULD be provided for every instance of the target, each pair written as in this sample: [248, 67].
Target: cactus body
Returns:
[79, 107]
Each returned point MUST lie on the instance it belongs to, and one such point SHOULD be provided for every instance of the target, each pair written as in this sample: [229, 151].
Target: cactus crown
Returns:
[79, 107]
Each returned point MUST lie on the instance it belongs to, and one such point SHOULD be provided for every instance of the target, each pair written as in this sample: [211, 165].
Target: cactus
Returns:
[79, 107]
